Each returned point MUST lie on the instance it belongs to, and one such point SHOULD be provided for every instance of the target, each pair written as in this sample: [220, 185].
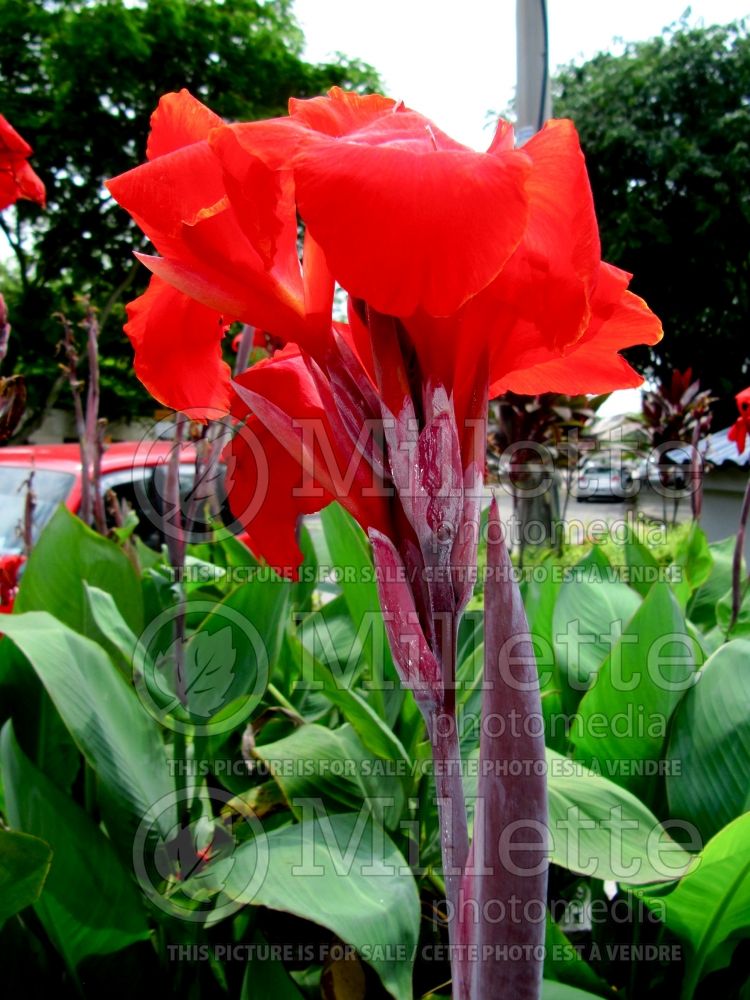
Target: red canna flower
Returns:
[480, 260]
[739, 430]
[17, 179]
[468, 274]
[10, 566]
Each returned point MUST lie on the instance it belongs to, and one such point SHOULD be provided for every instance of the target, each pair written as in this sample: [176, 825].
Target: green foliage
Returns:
[307, 812]
[24, 864]
[79, 81]
[665, 127]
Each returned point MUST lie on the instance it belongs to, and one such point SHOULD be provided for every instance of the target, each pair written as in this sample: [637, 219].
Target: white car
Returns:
[603, 481]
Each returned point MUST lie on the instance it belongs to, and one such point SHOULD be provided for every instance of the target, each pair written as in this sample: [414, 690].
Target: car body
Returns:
[134, 470]
[603, 480]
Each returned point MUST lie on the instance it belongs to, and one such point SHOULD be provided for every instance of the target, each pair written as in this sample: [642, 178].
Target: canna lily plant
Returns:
[468, 275]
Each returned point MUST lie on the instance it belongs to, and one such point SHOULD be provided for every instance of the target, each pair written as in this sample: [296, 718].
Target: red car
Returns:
[135, 471]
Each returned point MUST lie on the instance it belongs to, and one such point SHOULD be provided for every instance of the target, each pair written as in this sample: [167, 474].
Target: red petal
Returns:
[282, 393]
[620, 319]
[179, 120]
[257, 300]
[262, 198]
[179, 187]
[262, 482]
[341, 111]
[738, 434]
[405, 225]
[550, 279]
[177, 346]
[11, 143]
[17, 179]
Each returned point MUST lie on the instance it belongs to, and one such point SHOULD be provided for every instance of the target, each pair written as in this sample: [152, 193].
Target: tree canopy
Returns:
[79, 81]
[665, 127]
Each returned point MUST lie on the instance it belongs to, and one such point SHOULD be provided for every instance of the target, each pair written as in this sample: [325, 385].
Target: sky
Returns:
[455, 60]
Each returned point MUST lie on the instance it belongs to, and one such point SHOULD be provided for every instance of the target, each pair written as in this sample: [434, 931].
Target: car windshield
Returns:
[50, 489]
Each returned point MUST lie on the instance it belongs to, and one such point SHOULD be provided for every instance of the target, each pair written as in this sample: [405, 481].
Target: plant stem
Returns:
[93, 426]
[737, 560]
[454, 833]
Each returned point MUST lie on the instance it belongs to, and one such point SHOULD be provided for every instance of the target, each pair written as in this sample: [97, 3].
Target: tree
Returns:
[665, 127]
[80, 80]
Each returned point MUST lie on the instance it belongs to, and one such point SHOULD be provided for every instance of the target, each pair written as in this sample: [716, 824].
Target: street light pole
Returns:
[533, 98]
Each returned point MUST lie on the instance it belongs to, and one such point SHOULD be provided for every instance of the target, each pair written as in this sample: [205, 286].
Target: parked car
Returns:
[134, 470]
[602, 480]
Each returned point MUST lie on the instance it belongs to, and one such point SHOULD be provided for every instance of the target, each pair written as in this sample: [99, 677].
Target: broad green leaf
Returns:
[68, 553]
[563, 964]
[599, 829]
[106, 626]
[333, 765]
[350, 553]
[741, 626]
[333, 638]
[265, 975]
[692, 564]
[89, 905]
[552, 990]
[702, 606]
[309, 571]
[370, 728]
[709, 746]
[103, 715]
[24, 864]
[591, 610]
[710, 907]
[642, 567]
[622, 720]
[602, 830]
[540, 597]
[343, 873]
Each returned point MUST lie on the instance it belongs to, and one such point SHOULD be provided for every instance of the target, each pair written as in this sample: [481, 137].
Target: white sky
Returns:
[455, 60]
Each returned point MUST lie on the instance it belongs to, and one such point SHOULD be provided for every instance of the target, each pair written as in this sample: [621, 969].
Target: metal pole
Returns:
[533, 98]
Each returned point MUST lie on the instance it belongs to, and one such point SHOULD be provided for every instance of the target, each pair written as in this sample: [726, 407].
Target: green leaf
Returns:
[106, 626]
[24, 864]
[622, 720]
[333, 765]
[602, 830]
[643, 569]
[591, 608]
[702, 606]
[370, 728]
[741, 626]
[350, 552]
[103, 715]
[66, 554]
[343, 873]
[692, 564]
[710, 907]
[709, 746]
[90, 905]
[562, 963]
[552, 990]
[265, 976]
[598, 828]
[540, 596]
